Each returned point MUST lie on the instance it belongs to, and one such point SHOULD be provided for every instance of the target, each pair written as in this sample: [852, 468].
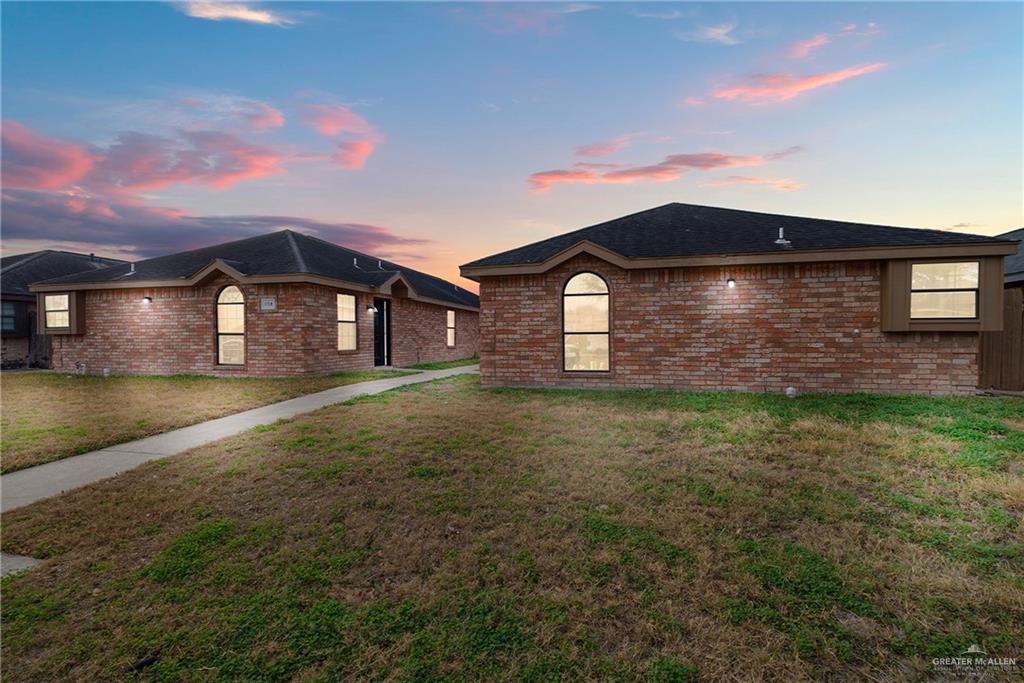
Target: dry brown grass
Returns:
[47, 416]
[452, 532]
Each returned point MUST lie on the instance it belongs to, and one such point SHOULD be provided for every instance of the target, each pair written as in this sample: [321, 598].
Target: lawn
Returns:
[445, 364]
[46, 416]
[448, 532]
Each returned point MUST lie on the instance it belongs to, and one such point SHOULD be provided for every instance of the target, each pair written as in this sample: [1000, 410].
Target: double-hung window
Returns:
[450, 328]
[57, 311]
[7, 320]
[346, 322]
[942, 291]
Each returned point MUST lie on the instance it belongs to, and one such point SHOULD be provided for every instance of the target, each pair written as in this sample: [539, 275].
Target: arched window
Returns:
[585, 324]
[230, 326]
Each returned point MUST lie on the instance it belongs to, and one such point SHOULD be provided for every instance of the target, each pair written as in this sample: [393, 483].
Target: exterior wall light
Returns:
[730, 283]
[147, 299]
[371, 309]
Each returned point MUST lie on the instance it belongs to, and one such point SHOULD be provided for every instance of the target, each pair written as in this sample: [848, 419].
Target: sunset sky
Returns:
[434, 134]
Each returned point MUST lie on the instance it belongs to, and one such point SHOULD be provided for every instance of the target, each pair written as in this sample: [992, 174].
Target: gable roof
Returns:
[680, 231]
[1013, 265]
[17, 272]
[270, 257]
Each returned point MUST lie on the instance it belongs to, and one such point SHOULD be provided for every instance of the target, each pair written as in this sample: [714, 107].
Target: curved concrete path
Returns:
[26, 486]
[20, 488]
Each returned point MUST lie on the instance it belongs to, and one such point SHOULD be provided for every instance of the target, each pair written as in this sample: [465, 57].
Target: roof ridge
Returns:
[343, 247]
[586, 227]
[398, 268]
[31, 256]
[295, 250]
[814, 218]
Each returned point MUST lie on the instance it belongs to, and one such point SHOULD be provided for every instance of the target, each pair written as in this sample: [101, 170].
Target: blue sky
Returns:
[438, 133]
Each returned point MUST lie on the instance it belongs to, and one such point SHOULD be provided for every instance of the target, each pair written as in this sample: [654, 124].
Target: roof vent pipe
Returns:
[782, 241]
[131, 269]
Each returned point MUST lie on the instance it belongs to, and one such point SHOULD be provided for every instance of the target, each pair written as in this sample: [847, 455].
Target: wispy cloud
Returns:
[765, 88]
[669, 168]
[781, 184]
[667, 14]
[335, 120]
[718, 33]
[234, 11]
[539, 18]
[802, 49]
[694, 101]
[35, 161]
[602, 149]
[263, 116]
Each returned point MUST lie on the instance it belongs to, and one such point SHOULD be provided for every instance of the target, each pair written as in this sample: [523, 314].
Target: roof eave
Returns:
[198, 276]
[986, 248]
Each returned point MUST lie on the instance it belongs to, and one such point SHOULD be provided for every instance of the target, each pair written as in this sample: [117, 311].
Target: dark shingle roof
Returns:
[1013, 265]
[284, 252]
[17, 272]
[677, 230]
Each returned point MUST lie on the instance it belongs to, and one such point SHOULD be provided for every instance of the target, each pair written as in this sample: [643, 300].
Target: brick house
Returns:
[275, 305]
[21, 344]
[708, 298]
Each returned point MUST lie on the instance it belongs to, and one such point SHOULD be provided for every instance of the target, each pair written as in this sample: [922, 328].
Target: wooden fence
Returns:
[1001, 360]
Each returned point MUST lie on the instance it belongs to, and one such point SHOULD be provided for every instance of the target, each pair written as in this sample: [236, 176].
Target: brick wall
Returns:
[175, 333]
[13, 352]
[418, 333]
[811, 326]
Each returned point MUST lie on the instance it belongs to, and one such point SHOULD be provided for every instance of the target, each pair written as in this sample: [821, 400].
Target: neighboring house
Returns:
[711, 298]
[1013, 265]
[278, 304]
[21, 345]
[1002, 353]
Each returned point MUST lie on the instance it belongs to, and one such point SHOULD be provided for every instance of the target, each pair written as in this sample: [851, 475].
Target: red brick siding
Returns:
[418, 333]
[175, 333]
[782, 325]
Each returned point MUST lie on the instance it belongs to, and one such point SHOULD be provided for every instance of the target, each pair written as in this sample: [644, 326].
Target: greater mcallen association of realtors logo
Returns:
[976, 662]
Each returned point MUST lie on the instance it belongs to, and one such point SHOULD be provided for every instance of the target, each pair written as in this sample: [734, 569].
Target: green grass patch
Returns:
[445, 364]
[799, 591]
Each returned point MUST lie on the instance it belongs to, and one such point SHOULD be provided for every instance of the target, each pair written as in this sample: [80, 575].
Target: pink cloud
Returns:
[264, 116]
[35, 161]
[781, 87]
[137, 161]
[781, 184]
[354, 153]
[694, 101]
[334, 119]
[539, 18]
[802, 49]
[602, 149]
[669, 168]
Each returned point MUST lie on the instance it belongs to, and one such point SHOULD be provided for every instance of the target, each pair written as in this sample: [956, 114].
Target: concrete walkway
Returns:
[20, 488]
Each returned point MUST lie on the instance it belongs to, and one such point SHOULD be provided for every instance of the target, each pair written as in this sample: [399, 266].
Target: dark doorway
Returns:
[382, 332]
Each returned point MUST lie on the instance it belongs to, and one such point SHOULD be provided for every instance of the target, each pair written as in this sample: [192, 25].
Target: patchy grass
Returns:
[445, 364]
[47, 416]
[447, 532]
